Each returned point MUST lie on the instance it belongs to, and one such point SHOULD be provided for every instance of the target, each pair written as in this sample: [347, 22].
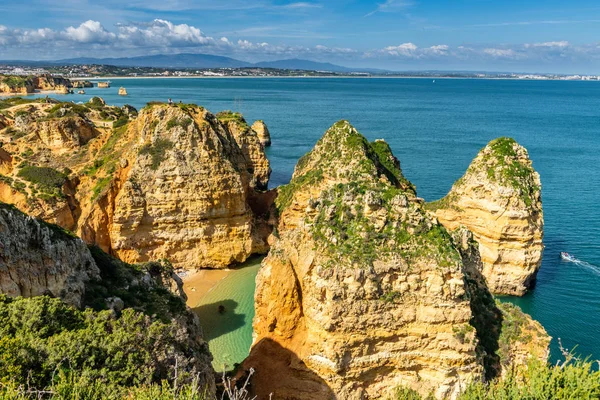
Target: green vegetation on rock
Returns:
[157, 151]
[15, 81]
[40, 336]
[48, 180]
[230, 116]
[182, 122]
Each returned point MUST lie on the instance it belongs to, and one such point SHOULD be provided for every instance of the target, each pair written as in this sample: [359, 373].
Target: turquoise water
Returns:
[436, 130]
[229, 334]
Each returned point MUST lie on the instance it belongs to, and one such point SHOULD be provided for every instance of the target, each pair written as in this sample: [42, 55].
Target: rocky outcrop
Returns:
[82, 84]
[64, 134]
[251, 147]
[499, 200]
[49, 82]
[361, 291]
[12, 84]
[182, 192]
[264, 136]
[174, 182]
[37, 258]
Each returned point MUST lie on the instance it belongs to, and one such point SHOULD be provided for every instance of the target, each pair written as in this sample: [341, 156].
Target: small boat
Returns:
[81, 92]
[567, 257]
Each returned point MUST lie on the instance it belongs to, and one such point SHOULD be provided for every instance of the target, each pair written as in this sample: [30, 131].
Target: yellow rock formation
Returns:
[499, 200]
[361, 291]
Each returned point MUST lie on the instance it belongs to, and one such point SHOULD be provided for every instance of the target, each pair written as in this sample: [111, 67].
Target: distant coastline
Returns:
[104, 78]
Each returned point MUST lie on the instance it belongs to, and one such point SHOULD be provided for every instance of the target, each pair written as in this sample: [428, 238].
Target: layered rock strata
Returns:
[264, 136]
[499, 200]
[183, 192]
[362, 292]
[41, 259]
[173, 182]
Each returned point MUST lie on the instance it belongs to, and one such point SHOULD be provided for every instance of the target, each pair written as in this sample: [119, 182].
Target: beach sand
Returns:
[198, 283]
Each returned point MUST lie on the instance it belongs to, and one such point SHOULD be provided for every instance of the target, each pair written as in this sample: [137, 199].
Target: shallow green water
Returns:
[229, 334]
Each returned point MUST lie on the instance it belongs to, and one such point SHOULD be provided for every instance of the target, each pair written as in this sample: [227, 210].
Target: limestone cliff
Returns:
[12, 84]
[183, 191]
[507, 337]
[361, 292]
[16, 84]
[174, 182]
[37, 258]
[264, 136]
[251, 146]
[499, 200]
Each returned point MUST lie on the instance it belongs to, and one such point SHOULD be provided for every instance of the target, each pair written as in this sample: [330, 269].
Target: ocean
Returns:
[436, 129]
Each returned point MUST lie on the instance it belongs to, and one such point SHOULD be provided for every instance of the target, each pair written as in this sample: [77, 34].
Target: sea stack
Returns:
[122, 91]
[499, 200]
[361, 291]
[263, 132]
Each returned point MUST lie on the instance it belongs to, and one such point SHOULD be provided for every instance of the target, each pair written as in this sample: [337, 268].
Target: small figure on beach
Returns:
[221, 309]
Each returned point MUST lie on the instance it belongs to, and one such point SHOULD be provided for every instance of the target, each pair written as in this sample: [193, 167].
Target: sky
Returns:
[477, 35]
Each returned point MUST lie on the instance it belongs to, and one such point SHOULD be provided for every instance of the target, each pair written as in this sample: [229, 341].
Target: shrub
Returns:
[156, 151]
[44, 177]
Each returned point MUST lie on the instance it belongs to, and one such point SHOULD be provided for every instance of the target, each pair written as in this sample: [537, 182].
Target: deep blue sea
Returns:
[436, 129]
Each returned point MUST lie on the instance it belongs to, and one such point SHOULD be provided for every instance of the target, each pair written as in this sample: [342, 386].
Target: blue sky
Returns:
[509, 35]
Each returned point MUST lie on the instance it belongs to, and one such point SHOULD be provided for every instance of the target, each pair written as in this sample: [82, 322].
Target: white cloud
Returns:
[89, 32]
[561, 44]
[405, 49]
[500, 53]
[91, 38]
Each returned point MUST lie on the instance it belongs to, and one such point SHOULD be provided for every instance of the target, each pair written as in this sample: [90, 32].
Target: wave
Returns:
[591, 267]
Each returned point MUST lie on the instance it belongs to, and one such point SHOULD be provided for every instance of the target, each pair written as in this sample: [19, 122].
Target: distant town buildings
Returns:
[90, 71]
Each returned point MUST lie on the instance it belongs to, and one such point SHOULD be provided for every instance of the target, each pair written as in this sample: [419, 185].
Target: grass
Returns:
[182, 122]
[228, 116]
[14, 81]
[48, 180]
[157, 151]
[67, 109]
[572, 380]
[15, 101]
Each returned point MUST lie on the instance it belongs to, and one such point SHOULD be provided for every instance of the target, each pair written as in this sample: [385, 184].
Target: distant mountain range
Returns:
[200, 61]
[163, 61]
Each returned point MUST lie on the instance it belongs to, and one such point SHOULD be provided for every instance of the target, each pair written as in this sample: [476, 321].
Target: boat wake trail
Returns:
[590, 267]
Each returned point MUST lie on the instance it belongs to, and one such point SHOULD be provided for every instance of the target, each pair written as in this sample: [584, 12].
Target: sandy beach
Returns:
[198, 283]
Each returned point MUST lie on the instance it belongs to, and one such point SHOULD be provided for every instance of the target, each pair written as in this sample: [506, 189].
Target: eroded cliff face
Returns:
[499, 200]
[37, 259]
[16, 84]
[264, 136]
[176, 182]
[362, 292]
[183, 191]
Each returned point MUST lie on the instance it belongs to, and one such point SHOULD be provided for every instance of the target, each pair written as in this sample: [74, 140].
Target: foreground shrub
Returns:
[40, 336]
[574, 379]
